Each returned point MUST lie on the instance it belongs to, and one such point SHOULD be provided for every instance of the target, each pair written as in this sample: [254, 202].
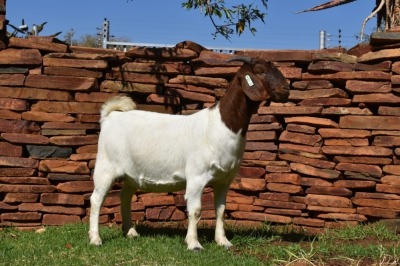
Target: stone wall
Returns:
[327, 158]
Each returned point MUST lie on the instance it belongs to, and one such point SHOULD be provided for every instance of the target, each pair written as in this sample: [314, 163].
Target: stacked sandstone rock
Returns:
[327, 158]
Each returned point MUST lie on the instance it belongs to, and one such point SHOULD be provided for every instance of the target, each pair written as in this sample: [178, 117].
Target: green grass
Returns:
[68, 245]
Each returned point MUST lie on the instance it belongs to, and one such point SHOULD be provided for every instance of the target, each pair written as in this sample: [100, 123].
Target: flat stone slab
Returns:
[381, 38]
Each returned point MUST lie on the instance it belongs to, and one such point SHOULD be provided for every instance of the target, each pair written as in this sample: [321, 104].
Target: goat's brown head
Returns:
[261, 80]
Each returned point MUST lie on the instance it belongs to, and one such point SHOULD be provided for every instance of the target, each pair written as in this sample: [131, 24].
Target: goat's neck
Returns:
[236, 109]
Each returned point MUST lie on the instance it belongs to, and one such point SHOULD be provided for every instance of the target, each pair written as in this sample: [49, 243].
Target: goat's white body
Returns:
[160, 153]
[163, 153]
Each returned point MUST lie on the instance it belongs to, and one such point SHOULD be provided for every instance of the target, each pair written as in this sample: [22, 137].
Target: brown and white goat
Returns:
[163, 153]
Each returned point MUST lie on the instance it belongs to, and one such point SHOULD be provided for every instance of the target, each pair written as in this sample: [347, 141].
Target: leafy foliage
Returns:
[227, 19]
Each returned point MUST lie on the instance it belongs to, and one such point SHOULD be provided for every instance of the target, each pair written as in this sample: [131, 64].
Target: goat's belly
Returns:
[171, 183]
[164, 187]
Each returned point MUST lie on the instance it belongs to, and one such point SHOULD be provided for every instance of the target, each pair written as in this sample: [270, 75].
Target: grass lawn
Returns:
[68, 245]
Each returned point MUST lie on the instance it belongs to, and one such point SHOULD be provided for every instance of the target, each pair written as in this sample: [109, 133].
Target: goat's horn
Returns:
[244, 59]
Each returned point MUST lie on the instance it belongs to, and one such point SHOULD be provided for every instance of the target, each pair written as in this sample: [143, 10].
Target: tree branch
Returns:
[381, 4]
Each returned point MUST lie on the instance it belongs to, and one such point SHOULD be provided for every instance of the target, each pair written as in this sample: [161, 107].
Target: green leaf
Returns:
[218, 13]
[240, 26]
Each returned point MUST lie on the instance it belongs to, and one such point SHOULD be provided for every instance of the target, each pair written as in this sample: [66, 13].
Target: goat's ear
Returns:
[253, 87]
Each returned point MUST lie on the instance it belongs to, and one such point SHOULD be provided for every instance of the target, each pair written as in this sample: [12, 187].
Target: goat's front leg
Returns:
[220, 192]
[193, 198]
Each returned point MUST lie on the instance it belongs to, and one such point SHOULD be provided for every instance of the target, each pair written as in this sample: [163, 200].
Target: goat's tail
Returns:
[118, 103]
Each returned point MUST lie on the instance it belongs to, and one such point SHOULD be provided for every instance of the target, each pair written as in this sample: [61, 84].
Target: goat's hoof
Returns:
[96, 241]
[224, 243]
[227, 246]
[132, 233]
[195, 247]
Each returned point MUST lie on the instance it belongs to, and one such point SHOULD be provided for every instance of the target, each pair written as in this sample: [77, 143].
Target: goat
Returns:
[164, 153]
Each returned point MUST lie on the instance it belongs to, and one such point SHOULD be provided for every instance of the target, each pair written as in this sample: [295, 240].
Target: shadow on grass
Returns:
[283, 234]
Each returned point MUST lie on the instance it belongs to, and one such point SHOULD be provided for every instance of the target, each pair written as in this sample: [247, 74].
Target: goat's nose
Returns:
[285, 94]
[287, 89]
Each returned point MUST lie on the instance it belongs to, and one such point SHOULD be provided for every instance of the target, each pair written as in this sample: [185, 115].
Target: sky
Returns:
[165, 22]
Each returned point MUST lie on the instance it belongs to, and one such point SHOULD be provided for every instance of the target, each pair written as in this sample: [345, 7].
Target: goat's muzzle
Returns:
[281, 95]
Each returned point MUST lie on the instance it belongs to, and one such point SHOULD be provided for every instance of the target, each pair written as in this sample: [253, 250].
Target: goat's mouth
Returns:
[281, 96]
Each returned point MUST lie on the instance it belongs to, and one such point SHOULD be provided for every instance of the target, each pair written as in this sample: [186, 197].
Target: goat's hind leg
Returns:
[102, 184]
[127, 192]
